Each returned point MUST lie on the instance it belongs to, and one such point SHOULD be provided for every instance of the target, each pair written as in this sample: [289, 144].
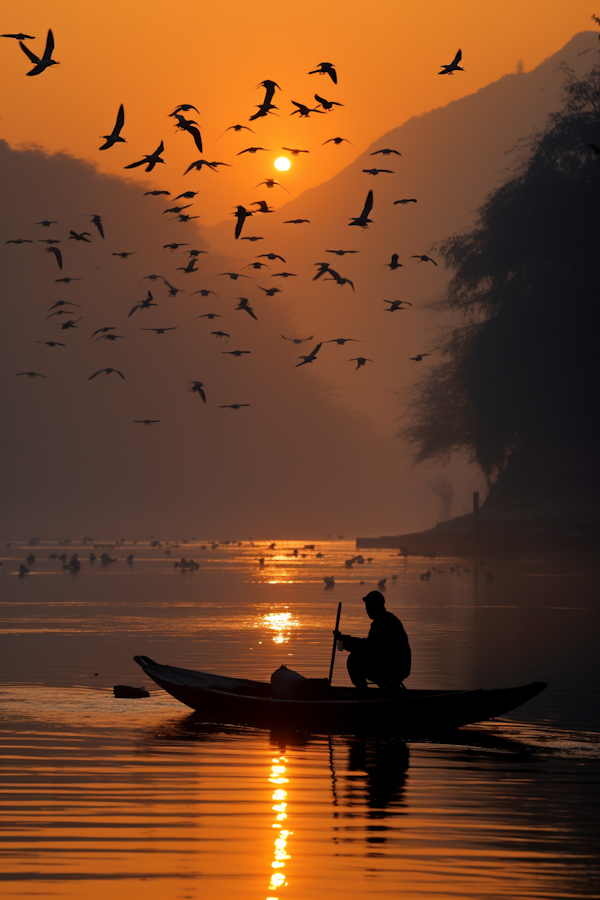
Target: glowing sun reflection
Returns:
[280, 844]
[281, 623]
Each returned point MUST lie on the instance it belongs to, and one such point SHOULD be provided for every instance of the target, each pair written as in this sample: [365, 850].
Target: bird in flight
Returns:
[341, 341]
[256, 265]
[233, 275]
[185, 218]
[327, 104]
[70, 323]
[160, 330]
[424, 258]
[245, 305]
[155, 193]
[62, 312]
[271, 256]
[394, 264]
[75, 236]
[184, 107]
[220, 334]
[57, 255]
[124, 254]
[40, 65]
[297, 340]
[146, 421]
[177, 209]
[187, 195]
[205, 293]
[209, 316]
[419, 356]
[191, 267]
[104, 330]
[342, 252]
[172, 291]
[63, 303]
[145, 304]
[20, 36]
[51, 343]
[296, 221]
[197, 388]
[304, 111]
[378, 171]
[241, 214]
[335, 276]
[405, 201]
[325, 68]
[386, 151]
[323, 267]
[234, 406]
[270, 292]
[360, 360]
[451, 68]
[363, 220]
[149, 161]
[112, 337]
[337, 141]
[237, 353]
[198, 164]
[49, 241]
[253, 238]
[172, 247]
[263, 206]
[32, 374]
[284, 275]
[270, 87]
[191, 127]
[252, 150]
[108, 371]
[66, 280]
[115, 136]
[47, 223]
[396, 304]
[310, 357]
[294, 150]
[19, 241]
[237, 128]
[271, 183]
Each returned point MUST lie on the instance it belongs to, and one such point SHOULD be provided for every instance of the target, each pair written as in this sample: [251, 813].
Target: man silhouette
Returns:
[384, 656]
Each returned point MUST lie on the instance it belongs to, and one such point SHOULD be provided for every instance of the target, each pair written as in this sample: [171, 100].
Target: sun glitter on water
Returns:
[282, 164]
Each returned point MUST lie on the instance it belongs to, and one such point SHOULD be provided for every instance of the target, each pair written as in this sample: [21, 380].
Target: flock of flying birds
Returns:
[107, 333]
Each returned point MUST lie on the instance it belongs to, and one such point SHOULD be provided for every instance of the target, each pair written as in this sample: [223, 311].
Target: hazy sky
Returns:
[314, 452]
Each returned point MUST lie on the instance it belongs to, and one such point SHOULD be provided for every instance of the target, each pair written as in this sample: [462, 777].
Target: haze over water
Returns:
[140, 796]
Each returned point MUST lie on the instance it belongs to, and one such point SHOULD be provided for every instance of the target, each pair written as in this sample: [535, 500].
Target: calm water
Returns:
[141, 798]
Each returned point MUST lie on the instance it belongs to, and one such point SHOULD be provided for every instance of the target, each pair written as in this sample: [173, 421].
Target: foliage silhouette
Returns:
[518, 370]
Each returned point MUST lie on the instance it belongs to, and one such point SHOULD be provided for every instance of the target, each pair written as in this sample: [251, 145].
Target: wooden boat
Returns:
[238, 701]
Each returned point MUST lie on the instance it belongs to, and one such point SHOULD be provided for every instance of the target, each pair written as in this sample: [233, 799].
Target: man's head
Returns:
[374, 603]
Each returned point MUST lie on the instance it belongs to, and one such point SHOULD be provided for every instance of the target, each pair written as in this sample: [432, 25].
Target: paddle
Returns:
[337, 625]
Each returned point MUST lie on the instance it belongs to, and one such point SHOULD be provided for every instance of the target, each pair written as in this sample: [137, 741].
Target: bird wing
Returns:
[457, 58]
[57, 254]
[119, 373]
[137, 306]
[368, 205]
[136, 164]
[197, 137]
[120, 121]
[96, 373]
[50, 46]
[34, 59]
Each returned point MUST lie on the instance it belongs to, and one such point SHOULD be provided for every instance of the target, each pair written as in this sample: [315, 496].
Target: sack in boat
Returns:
[290, 685]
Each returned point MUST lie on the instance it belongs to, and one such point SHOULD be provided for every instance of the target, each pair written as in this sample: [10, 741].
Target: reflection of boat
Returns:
[239, 701]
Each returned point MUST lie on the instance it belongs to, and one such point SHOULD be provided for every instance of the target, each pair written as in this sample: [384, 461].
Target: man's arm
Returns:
[350, 643]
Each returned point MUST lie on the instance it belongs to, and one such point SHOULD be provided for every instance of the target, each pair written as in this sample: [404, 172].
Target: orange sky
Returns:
[151, 56]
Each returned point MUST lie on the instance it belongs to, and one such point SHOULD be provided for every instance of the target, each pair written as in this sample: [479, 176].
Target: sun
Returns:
[282, 163]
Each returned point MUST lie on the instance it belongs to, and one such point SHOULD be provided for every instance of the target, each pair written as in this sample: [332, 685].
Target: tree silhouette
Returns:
[519, 368]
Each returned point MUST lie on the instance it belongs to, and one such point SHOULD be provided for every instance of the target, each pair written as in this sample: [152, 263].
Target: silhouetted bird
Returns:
[310, 357]
[173, 291]
[341, 341]
[108, 372]
[176, 209]
[145, 304]
[245, 305]
[51, 343]
[337, 141]
[66, 280]
[236, 128]
[209, 316]
[150, 277]
[49, 241]
[220, 334]
[378, 171]
[396, 304]
[342, 252]
[160, 330]
[252, 150]
[155, 193]
[40, 65]
[104, 330]
[424, 258]
[32, 374]
[256, 265]
[363, 220]
[297, 221]
[419, 357]
[339, 279]
[187, 195]
[195, 253]
[115, 136]
[57, 255]
[63, 303]
[253, 238]
[149, 161]
[385, 152]
[304, 111]
[237, 353]
[125, 254]
[360, 361]
[184, 107]
[233, 275]
[270, 292]
[199, 164]
[197, 388]
[191, 127]
[327, 104]
[451, 68]
[185, 218]
[143, 422]
[271, 183]
[47, 223]
[270, 87]
[325, 68]
[394, 264]
[205, 293]
[76, 236]
[270, 256]
[297, 340]
[234, 406]
[173, 246]
[263, 110]
[405, 201]
[20, 36]
[294, 150]
[70, 323]
[187, 270]
[19, 241]
[112, 337]
[263, 206]
[241, 214]
[323, 267]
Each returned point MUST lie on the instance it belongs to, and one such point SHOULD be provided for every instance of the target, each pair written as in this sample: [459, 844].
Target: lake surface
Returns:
[142, 798]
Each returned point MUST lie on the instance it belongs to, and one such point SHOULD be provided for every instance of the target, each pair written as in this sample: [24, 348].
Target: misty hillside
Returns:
[451, 159]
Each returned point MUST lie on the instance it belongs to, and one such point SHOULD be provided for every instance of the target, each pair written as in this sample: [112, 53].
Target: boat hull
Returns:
[241, 702]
